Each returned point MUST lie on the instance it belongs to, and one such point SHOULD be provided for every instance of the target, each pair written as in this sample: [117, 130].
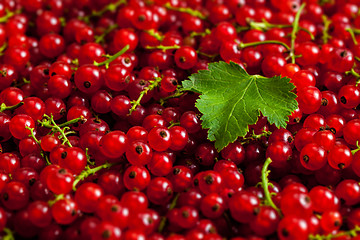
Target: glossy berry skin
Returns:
[309, 99]
[244, 206]
[340, 157]
[15, 195]
[59, 180]
[64, 211]
[136, 177]
[185, 57]
[159, 138]
[138, 153]
[351, 131]
[298, 204]
[293, 227]
[88, 78]
[40, 214]
[265, 222]
[18, 126]
[212, 205]
[113, 144]
[313, 156]
[159, 191]
[87, 195]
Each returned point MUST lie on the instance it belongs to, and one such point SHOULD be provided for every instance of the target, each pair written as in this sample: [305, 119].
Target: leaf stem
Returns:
[265, 184]
[253, 44]
[3, 107]
[87, 172]
[294, 32]
[189, 11]
[163, 218]
[153, 84]
[112, 58]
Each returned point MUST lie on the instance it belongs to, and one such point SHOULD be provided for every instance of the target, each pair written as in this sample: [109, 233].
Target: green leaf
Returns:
[231, 100]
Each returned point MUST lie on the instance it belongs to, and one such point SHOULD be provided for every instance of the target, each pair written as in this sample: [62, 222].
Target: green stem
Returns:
[294, 32]
[162, 47]
[178, 93]
[202, 34]
[153, 84]
[42, 153]
[57, 198]
[3, 107]
[173, 124]
[9, 234]
[351, 233]
[110, 7]
[163, 218]
[325, 31]
[75, 120]
[265, 184]
[50, 123]
[112, 58]
[352, 34]
[84, 174]
[100, 38]
[189, 11]
[253, 44]
[8, 15]
[155, 34]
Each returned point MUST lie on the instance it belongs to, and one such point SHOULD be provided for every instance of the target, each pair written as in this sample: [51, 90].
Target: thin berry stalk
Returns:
[90, 171]
[153, 84]
[3, 107]
[265, 184]
[163, 218]
[112, 58]
[294, 32]
[189, 11]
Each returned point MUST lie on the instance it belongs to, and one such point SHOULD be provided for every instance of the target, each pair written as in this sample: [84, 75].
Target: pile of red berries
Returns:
[100, 141]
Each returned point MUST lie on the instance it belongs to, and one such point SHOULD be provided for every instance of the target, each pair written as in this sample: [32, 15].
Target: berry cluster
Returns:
[99, 140]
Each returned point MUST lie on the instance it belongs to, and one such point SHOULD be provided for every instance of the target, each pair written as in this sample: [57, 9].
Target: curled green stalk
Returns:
[49, 122]
[294, 32]
[112, 58]
[163, 218]
[351, 233]
[153, 85]
[189, 11]
[90, 171]
[3, 106]
[253, 44]
[265, 184]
